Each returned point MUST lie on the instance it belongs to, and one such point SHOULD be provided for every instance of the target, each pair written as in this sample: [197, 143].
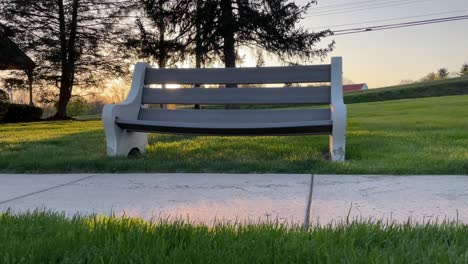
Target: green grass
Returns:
[454, 86]
[417, 136]
[88, 117]
[51, 238]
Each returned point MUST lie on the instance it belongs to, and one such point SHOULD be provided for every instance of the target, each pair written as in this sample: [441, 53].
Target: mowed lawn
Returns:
[52, 238]
[414, 136]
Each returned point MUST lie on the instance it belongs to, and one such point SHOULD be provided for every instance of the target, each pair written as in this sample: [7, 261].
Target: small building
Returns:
[13, 58]
[355, 87]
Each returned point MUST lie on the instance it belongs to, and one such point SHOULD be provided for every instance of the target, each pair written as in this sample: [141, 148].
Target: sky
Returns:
[387, 57]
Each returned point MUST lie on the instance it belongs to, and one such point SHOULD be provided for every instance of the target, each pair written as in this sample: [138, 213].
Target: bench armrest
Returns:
[130, 107]
[119, 141]
[113, 111]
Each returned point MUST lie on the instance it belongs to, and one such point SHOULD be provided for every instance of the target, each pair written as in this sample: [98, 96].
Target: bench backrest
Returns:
[331, 73]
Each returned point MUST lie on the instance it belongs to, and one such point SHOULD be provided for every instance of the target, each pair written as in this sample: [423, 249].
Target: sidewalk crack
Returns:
[46, 189]
[309, 203]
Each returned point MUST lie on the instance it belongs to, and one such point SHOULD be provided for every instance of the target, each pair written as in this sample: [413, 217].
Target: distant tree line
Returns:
[443, 73]
[78, 44]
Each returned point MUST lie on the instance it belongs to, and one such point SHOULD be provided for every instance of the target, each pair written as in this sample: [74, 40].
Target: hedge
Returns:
[19, 113]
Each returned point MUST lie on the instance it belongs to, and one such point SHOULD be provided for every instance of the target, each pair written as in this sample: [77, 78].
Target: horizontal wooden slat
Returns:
[236, 117]
[300, 95]
[261, 129]
[291, 74]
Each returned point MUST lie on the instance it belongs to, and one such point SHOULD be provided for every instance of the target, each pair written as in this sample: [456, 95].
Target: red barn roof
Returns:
[354, 87]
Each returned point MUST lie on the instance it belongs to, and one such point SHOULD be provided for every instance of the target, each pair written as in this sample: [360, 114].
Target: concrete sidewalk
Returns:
[292, 198]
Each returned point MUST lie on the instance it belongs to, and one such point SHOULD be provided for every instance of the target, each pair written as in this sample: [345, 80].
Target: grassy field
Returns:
[52, 238]
[417, 136]
[453, 86]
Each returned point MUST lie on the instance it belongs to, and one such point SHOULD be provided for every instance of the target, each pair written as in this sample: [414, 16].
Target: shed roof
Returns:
[353, 87]
[11, 56]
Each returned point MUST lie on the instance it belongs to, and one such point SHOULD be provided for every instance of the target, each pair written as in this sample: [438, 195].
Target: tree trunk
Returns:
[162, 59]
[198, 44]
[68, 58]
[229, 49]
[29, 73]
[62, 103]
[229, 44]
[64, 98]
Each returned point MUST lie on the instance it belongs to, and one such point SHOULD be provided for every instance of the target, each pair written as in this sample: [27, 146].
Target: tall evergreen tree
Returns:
[67, 39]
[204, 41]
[163, 31]
[269, 25]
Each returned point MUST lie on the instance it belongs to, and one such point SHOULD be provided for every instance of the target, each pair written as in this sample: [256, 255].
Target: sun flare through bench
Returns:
[127, 124]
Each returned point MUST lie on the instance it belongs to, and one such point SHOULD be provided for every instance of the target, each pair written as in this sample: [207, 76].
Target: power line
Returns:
[398, 25]
[390, 19]
[326, 13]
[406, 23]
[344, 7]
[346, 4]
[363, 8]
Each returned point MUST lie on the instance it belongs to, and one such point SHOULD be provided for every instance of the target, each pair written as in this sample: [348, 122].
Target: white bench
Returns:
[127, 124]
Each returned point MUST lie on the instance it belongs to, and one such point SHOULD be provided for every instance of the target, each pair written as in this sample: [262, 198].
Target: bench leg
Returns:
[338, 136]
[120, 142]
[337, 147]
